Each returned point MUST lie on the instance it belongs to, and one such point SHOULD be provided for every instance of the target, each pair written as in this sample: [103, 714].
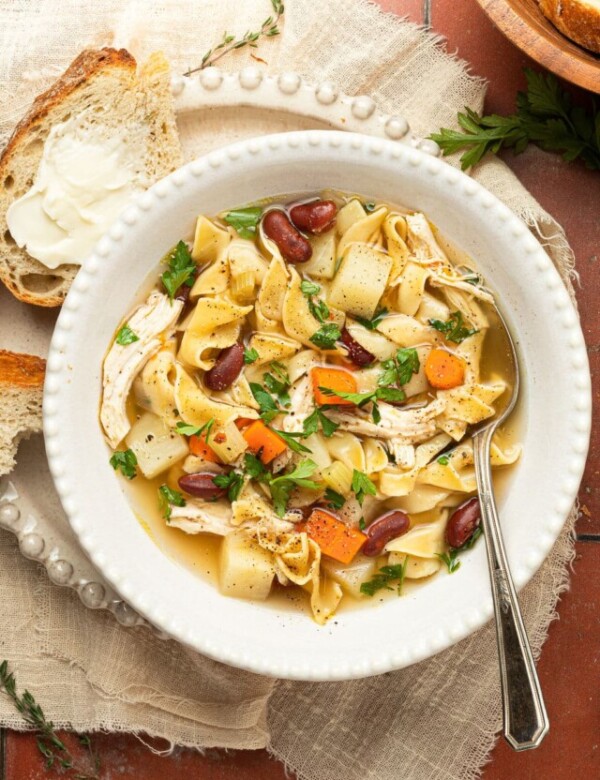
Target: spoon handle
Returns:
[525, 718]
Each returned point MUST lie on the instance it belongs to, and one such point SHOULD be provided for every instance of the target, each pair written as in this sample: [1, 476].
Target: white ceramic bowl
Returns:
[555, 406]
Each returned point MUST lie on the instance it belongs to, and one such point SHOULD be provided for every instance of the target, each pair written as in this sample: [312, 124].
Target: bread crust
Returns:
[579, 22]
[80, 71]
[20, 370]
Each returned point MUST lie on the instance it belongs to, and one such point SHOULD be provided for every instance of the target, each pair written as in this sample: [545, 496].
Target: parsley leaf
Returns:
[362, 524]
[167, 498]
[290, 440]
[233, 481]
[182, 269]
[311, 423]
[326, 336]
[392, 394]
[244, 221]
[443, 460]
[383, 578]
[374, 322]
[318, 309]
[268, 407]
[195, 430]
[454, 329]
[126, 336]
[362, 486]
[450, 559]
[281, 487]
[545, 116]
[360, 399]
[400, 368]
[250, 356]
[335, 499]
[278, 382]
[125, 461]
[255, 469]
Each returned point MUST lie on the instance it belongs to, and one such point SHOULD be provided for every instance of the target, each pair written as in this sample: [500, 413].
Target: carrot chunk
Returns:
[263, 441]
[444, 370]
[242, 422]
[336, 539]
[199, 447]
[335, 379]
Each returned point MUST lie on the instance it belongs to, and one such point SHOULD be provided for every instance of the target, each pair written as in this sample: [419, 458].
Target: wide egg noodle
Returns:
[209, 241]
[365, 230]
[273, 289]
[298, 321]
[197, 408]
[395, 231]
[154, 386]
[215, 325]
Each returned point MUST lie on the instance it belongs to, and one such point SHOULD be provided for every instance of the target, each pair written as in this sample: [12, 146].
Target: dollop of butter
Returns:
[83, 182]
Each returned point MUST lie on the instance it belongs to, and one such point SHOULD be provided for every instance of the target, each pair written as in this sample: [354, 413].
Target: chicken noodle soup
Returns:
[301, 385]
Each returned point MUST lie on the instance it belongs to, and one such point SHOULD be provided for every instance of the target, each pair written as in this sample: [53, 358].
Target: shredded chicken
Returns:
[123, 362]
[406, 426]
[202, 517]
[404, 454]
[300, 406]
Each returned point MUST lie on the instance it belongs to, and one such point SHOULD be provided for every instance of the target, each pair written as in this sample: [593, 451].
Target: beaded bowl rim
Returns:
[160, 609]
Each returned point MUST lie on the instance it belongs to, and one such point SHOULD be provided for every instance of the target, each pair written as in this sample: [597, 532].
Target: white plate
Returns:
[555, 403]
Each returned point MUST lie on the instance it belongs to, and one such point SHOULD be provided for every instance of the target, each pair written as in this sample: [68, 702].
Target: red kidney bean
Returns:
[201, 485]
[293, 246]
[383, 529]
[314, 217]
[463, 522]
[227, 368]
[357, 353]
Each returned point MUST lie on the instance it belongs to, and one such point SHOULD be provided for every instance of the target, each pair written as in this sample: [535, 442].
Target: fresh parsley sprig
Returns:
[278, 382]
[454, 329]
[545, 116]
[167, 497]
[391, 394]
[327, 336]
[334, 499]
[126, 336]
[52, 748]
[374, 321]
[182, 269]
[124, 461]
[316, 418]
[450, 558]
[233, 482]
[196, 430]
[290, 440]
[268, 29]
[319, 309]
[384, 577]
[400, 368]
[244, 221]
[267, 405]
[250, 356]
[362, 486]
[281, 487]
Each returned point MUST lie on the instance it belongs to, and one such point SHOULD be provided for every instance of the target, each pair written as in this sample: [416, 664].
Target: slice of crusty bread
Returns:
[21, 383]
[114, 95]
[579, 20]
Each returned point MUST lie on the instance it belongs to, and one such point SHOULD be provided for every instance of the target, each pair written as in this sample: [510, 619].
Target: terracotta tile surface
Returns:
[570, 663]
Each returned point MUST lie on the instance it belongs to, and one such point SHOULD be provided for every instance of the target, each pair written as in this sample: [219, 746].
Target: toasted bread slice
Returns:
[21, 383]
[113, 93]
[579, 20]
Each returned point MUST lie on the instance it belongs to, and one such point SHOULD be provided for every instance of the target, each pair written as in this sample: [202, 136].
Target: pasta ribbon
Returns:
[215, 325]
[196, 408]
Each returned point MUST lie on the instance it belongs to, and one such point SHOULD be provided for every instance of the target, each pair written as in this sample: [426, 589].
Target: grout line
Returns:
[588, 537]
[427, 14]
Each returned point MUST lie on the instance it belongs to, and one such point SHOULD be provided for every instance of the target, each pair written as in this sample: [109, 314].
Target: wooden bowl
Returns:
[526, 26]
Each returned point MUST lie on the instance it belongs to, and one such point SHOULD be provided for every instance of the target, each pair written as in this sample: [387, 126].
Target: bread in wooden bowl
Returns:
[579, 20]
[107, 95]
[21, 385]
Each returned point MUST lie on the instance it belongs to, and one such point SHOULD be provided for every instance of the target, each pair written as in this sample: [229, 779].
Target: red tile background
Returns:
[570, 664]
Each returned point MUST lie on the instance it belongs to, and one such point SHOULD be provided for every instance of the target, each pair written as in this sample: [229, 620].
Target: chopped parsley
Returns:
[126, 336]
[182, 269]
[290, 440]
[267, 404]
[383, 578]
[311, 423]
[233, 482]
[399, 369]
[281, 487]
[361, 399]
[124, 461]
[326, 336]
[244, 221]
[454, 329]
[450, 558]
[362, 486]
[443, 460]
[250, 356]
[255, 469]
[334, 499]
[168, 498]
[374, 322]
[278, 382]
[195, 430]
[318, 309]
[362, 524]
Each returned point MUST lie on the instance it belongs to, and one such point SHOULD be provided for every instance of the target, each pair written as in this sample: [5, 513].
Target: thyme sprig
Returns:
[52, 748]
[268, 29]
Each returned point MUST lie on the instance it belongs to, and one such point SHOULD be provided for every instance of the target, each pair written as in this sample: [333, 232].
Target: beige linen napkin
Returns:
[431, 721]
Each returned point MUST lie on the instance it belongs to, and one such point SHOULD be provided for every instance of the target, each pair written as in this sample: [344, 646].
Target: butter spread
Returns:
[83, 182]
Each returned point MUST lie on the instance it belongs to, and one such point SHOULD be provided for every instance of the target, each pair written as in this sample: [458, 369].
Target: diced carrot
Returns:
[444, 370]
[264, 442]
[199, 447]
[336, 539]
[242, 422]
[335, 379]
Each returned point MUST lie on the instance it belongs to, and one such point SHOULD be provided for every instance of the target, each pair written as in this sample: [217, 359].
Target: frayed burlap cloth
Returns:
[431, 721]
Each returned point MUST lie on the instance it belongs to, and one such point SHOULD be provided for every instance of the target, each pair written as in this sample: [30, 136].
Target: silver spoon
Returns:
[524, 713]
